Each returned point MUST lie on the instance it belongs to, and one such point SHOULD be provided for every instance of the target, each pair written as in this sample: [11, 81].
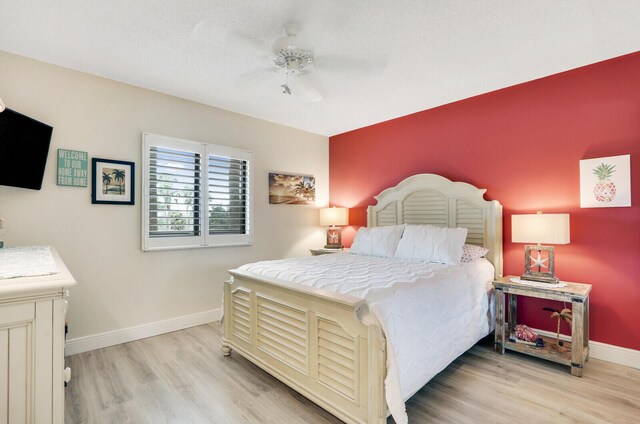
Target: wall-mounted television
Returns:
[24, 146]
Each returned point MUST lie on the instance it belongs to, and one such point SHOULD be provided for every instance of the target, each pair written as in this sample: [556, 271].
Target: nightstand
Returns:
[573, 353]
[317, 252]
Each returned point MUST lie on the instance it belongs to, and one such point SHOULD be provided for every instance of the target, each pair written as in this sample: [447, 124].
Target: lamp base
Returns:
[334, 246]
[534, 264]
[334, 238]
[540, 279]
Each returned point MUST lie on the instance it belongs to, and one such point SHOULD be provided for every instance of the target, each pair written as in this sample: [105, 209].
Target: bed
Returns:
[350, 349]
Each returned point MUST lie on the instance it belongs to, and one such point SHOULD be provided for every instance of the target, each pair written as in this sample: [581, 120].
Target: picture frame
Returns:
[72, 168]
[112, 182]
[291, 189]
[605, 182]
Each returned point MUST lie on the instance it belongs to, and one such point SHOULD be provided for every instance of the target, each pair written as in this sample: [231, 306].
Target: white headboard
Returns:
[433, 199]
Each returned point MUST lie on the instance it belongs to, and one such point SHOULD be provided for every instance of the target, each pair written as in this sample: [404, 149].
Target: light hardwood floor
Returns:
[182, 377]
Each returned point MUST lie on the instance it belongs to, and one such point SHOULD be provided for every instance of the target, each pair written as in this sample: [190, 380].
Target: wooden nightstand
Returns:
[573, 353]
[316, 252]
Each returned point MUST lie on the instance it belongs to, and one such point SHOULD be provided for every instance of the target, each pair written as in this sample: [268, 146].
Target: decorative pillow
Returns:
[432, 244]
[471, 252]
[377, 241]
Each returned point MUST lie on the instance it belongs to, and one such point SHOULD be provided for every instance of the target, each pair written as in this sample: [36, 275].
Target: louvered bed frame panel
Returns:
[313, 340]
[310, 339]
[435, 200]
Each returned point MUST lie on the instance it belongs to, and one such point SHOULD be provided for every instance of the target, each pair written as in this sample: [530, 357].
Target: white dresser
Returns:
[32, 324]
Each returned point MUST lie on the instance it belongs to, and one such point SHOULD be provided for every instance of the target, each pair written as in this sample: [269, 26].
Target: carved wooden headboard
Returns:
[435, 200]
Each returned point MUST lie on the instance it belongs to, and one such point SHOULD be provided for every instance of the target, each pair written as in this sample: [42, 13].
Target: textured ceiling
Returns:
[427, 53]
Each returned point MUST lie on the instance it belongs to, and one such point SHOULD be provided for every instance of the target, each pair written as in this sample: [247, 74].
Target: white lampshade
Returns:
[1, 106]
[334, 216]
[551, 228]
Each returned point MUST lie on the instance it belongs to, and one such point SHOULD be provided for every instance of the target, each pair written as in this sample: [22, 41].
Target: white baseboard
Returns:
[605, 352]
[111, 338]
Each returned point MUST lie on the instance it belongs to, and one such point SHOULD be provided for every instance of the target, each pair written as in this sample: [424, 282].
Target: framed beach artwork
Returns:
[291, 189]
[112, 182]
[605, 182]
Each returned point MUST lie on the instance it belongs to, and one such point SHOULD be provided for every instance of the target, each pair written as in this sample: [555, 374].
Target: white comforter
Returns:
[430, 313]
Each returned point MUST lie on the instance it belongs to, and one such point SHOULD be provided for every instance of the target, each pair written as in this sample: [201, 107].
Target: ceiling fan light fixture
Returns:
[293, 61]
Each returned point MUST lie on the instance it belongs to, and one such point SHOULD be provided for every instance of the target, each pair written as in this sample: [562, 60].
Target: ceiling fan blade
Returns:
[318, 17]
[306, 89]
[206, 32]
[255, 77]
[209, 32]
[365, 66]
[241, 41]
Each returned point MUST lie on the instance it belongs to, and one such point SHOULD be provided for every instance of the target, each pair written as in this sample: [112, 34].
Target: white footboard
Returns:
[310, 339]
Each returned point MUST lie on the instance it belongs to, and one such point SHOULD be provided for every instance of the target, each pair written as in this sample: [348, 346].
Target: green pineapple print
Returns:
[605, 189]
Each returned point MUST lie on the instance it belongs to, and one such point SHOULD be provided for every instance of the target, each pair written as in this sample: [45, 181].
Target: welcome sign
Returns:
[72, 168]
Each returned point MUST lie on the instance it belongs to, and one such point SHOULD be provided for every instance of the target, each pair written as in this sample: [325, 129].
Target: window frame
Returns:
[205, 239]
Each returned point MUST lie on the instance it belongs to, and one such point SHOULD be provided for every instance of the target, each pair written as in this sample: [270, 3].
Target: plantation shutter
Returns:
[174, 192]
[195, 194]
[228, 195]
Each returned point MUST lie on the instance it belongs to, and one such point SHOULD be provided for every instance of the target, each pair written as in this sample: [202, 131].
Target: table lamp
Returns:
[331, 217]
[552, 228]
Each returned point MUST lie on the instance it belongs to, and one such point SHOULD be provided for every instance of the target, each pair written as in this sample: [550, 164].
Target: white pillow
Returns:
[377, 241]
[432, 244]
[471, 252]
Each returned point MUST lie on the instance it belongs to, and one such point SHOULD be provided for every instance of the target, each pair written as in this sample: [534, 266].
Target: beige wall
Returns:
[119, 285]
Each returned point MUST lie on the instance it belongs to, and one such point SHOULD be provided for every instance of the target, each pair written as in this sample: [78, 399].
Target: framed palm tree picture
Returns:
[112, 182]
[291, 189]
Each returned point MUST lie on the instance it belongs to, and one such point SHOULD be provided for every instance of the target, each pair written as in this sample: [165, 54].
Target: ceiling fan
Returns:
[293, 59]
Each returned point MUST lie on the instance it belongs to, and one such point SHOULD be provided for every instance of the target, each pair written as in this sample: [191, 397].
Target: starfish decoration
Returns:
[539, 262]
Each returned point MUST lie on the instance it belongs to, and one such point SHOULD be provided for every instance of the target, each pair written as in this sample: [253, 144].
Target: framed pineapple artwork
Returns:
[605, 182]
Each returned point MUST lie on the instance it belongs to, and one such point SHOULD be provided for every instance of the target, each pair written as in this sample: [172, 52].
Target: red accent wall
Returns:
[523, 144]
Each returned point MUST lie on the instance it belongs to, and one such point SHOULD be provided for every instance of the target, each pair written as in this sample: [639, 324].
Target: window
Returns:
[194, 194]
